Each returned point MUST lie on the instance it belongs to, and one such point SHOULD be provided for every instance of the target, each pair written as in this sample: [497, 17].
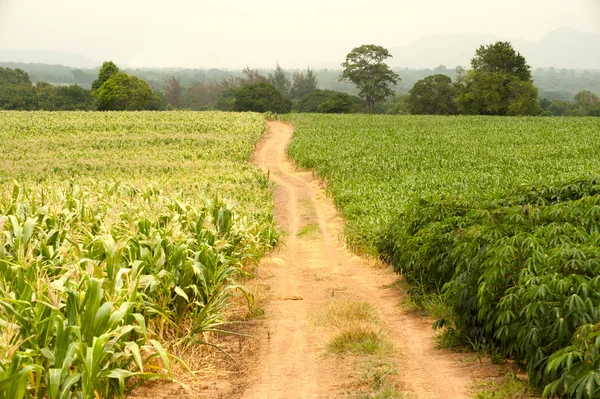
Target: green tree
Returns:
[586, 103]
[280, 80]
[20, 96]
[337, 103]
[500, 57]
[365, 67]
[499, 84]
[484, 93]
[16, 90]
[303, 84]
[122, 92]
[107, 70]
[433, 95]
[227, 100]
[10, 76]
[47, 96]
[74, 97]
[561, 108]
[310, 102]
[261, 97]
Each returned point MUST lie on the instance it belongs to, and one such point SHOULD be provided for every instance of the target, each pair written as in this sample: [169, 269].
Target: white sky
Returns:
[236, 33]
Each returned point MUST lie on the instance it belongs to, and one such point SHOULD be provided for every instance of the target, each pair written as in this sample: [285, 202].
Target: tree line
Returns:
[499, 83]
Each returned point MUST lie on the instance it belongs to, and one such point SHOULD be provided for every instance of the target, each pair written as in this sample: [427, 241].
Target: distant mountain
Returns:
[562, 48]
[48, 57]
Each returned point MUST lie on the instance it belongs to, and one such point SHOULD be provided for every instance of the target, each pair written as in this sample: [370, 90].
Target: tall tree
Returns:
[303, 84]
[106, 71]
[252, 76]
[280, 80]
[365, 67]
[499, 84]
[433, 95]
[501, 57]
[173, 92]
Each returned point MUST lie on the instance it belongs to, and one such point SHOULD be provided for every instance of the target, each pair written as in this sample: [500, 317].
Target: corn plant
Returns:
[87, 271]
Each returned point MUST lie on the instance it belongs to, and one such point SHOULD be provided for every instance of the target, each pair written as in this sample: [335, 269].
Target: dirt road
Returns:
[312, 266]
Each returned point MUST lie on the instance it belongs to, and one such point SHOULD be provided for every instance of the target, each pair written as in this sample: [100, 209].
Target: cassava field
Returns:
[496, 220]
[122, 236]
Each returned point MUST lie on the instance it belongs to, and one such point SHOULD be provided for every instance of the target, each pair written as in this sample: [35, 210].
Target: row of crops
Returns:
[115, 247]
[498, 217]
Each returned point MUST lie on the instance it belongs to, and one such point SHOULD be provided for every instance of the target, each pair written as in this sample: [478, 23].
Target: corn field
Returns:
[113, 237]
[498, 217]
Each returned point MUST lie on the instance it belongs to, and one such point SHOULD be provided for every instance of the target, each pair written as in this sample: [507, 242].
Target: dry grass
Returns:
[353, 327]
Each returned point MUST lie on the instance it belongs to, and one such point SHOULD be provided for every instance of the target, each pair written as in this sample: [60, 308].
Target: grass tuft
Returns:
[311, 229]
[358, 339]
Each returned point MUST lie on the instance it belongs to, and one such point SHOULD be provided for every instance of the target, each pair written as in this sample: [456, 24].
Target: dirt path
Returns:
[311, 267]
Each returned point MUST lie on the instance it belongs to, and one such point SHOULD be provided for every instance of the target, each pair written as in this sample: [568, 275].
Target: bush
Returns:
[261, 97]
[337, 103]
[521, 271]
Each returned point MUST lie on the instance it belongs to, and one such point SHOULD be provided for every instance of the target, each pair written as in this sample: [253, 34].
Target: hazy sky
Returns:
[235, 33]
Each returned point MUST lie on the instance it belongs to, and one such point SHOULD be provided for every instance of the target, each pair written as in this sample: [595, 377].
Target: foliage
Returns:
[433, 95]
[500, 57]
[261, 97]
[311, 101]
[122, 92]
[280, 80]
[107, 70]
[494, 93]
[520, 269]
[13, 76]
[62, 98]
[94, 274]
[499, 84]
[19, 96]
[375, 166]
[303, 84]
[365, 67]
[337, 103]
[227, 101]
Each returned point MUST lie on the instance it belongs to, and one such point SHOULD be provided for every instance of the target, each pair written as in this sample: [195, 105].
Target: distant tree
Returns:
[46, 96]
[106, 71]
[522, 98]
[586, 104]
[227, 101]
[484, 93]
[280, 80]
[10, 76]
[365, 67]
[16, 90]
[20, 96]
[433, 95]
[173, 92]
[310, 102]
[122, 92]
[500, 57]
[261, 97]
[303, 84]
[398, 105]
[252, 76]
[337, 103]
[499, 84]
[561, 108]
